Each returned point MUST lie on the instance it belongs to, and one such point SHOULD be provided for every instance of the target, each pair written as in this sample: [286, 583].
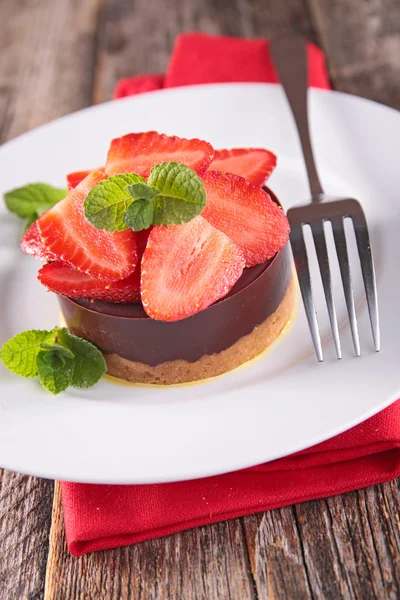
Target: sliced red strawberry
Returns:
[139, 152]
[31, 243]
[66, 233]
[73, 179]
[187, 267]
[68, 281]
[255, 164]
[142, 237]
[246, 214]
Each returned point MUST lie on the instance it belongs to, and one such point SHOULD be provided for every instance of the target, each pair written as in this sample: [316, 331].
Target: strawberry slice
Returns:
[62, 279]
[31, 243]
[255, 164]
[73, 179]
[142, 237]
[66, 233]
[187, 267]
[246, 214]
[139, 152]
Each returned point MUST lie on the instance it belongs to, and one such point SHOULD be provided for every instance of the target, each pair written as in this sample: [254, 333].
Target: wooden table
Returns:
[58, 56]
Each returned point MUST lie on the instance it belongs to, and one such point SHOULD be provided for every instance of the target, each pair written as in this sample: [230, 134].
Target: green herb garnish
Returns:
[58, 357]
[107, 203]
[32, 200]
[173, 194]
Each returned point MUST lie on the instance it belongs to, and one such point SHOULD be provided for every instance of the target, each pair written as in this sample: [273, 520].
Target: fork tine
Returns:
[344, 265]
[323, 262]
[368, 273]
[303, 273]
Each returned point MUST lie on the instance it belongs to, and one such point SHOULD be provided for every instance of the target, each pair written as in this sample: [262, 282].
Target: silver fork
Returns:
[290, 59]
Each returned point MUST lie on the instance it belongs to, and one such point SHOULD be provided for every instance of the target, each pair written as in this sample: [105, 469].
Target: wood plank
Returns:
[276, 555]
[344, 547]
[138, 38]
[205, 563]
[351, 544]
[362, 42]
[25, 510]
[47, 51]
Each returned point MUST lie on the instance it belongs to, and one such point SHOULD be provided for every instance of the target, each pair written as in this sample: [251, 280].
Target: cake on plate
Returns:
[172, 258]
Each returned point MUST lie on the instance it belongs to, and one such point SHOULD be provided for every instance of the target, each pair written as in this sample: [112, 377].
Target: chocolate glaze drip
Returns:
[125, 329]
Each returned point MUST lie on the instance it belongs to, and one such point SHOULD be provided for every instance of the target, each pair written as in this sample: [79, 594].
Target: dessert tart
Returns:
[172, 259]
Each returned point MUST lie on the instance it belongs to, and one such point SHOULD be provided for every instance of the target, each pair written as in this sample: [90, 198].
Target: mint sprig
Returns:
[173, 194]
[106, 203]
[58, 357]
[32, 200]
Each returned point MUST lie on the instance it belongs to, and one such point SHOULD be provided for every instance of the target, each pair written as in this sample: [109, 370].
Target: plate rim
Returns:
[245, 464]
[189, 89]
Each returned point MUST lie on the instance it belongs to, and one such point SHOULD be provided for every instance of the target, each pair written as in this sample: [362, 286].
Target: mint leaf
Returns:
[19, 354]
[182, 195]
[142, 191]
[33, 199]
[55, 368]
[106, 203]
[58, 357]
[139, 215]
[175, 192]
[89, 363]
[57, 348]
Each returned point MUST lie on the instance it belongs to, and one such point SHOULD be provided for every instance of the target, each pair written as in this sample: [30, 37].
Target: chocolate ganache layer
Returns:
[126, 330]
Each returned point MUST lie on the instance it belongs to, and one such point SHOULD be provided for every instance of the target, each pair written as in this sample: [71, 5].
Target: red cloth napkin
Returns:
[199, 58]
[103, 516]
[106, 516]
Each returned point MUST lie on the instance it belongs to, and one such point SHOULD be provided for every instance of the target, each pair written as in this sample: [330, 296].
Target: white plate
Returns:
[281, 403]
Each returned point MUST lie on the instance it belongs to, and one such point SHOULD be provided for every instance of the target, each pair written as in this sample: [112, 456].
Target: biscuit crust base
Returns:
[182, 371]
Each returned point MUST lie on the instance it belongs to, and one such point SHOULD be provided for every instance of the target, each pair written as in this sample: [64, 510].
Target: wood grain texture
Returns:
[276, 555]
[25, 510]
[48, 52]
[351, 544]
[362, 43]
[205, 563]
[344, 547]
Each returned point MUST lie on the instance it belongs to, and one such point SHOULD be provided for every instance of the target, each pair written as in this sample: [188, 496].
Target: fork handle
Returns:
[289, 55]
